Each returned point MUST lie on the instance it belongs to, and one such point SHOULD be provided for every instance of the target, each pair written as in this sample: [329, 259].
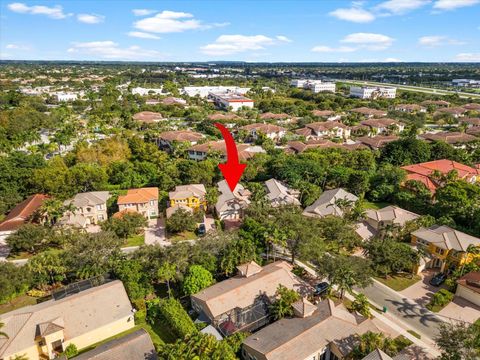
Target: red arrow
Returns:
[232, 170]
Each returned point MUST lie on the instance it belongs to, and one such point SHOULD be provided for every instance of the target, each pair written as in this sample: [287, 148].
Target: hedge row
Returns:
[172, 314]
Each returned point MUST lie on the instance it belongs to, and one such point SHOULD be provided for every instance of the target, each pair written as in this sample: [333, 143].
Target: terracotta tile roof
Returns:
[422, 172]
[181, 136]
[322, 113]
[449, 137]
[269, 115]
[173, 101]
[244, 150]
[299, 147]
[378, 141]
[369, 111]
[475, 131]
[22, 212]
[221, 116]
[148, 116]
[453, 110]
[411, 107]
[471, 121]
[471, 281]
[142, 195]
[264, 128]
[380, 123]
[472, 106]
[435, 102]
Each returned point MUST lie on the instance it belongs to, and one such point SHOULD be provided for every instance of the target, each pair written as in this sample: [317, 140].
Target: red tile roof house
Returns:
[383, 126]
[471, 122]
[143, 201]
[458, 139]
[166, 139]
[318, 130]
[456, 112]
[472, 107]
[222, 116]
[440, 103]
[326, 114]
[273, 132]
[272, 116]
[369, 113]
[148, 117]
[410, 108]
[18, 216]
[424, 172]
[377, 142]
[201, 151]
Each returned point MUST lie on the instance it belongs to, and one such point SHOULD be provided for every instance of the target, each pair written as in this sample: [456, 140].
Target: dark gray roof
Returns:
[134, 346]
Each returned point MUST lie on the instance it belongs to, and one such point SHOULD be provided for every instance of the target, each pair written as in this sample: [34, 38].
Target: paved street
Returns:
[155, 232]
[415, 316]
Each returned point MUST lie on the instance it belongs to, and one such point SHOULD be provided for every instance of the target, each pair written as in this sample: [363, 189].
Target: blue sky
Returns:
[291, 31]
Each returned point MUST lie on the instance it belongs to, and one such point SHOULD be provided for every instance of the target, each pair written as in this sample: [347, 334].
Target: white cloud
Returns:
[111, 50]
[399, 7]
[90, 18]
[55, 12]
[354, 14]
[391, 60]
[143, 12]
[469, 57]
[17, 47]
[328, 49]
[369, 41]
[283, 38]
[143, 35]
[169, 22]
[453, 4]
[233, 44]
[438, 40]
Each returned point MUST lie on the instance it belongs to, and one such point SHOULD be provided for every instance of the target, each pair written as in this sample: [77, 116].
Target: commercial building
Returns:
[373, 92]
[230, 100]
[204, 91]
[315, 86]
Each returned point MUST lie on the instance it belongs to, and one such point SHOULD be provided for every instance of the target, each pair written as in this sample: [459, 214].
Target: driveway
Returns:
[421, 292]
[461, 309]
[155, 232]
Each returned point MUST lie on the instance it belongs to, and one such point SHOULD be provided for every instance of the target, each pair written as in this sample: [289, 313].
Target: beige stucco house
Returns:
[143, 201]
[44, 330]
[88, 208]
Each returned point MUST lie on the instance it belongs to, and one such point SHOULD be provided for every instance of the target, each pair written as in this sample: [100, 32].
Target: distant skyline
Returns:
[255, 31]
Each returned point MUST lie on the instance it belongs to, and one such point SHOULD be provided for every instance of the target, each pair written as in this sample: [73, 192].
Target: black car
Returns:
[321, 288]
[438, 279]
[201, 230]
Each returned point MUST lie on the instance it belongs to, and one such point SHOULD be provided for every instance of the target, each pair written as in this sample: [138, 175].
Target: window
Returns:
[100, 217]
[100, 207]
[152, 202]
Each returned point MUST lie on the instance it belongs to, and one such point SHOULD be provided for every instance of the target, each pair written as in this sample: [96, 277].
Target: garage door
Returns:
[468, 294]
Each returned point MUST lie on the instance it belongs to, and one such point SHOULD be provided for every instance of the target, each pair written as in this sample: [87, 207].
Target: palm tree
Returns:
[361, 305]
[471, 249]
[2, 333]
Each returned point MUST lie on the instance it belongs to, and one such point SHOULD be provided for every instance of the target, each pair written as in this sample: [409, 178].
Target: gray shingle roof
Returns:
[325, 204]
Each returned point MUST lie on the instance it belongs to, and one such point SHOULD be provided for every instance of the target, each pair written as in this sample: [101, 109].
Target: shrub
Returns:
[37, 293]
[70, 351]
[440, 299]
[172, 314]
[197, 278]
[181, 220]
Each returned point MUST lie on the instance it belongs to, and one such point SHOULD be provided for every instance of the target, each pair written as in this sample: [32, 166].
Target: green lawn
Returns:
[399, 282]
[19, 256]
[375, 205]
[182, 236]
[136, 240]
[18, 302]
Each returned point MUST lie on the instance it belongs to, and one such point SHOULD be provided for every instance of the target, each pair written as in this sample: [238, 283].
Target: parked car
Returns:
[321, 288]
[438, 279]
[201, 230]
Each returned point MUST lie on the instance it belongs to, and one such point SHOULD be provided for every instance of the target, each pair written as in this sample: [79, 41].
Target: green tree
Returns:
[459, 341]
[361, 305]
[197, 346]
[196, 279]
[166, 273]
[282, 306]
[71, 350]
[181, 220]
[31, 238]
[47, 267]
[128, 224]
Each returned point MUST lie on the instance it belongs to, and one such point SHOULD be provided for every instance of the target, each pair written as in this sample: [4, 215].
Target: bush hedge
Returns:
[172, 314]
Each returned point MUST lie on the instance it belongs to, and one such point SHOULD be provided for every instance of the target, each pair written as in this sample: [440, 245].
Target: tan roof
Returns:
[279, 194]
[22, 212]
[249, 269]
[147, 116]
[135, 196]
[472, 106]
[412, 107]
[173, 101]
[369, 111]
[186, 191]
[435, 102]
[326, 203]
[453, 110]
[222, 116]
[240, 291]
[299, 147]
[134, 346]
[91, 198]
[78, 314]
[264, 128]
[181, 136]
[228, 200]
[475, 131]
[244, 150]
[392, 214]
[297, 338]
[471, 121]
[451, 137]
[325, 126]
[446, 238]
[303, 308]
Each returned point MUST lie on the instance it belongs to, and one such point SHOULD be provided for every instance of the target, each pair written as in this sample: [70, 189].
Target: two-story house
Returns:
[192, 196]
[231, 205]
[443, 247]
[383, 126]
[143, 201]
[271, 131]
[321, 129]
[89, 208]
[43, 331]
[278, 194]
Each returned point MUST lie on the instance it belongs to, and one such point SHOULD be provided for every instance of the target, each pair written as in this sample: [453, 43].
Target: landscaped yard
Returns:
[399, 282]
[182, 236]
[19, 256]
[18, 302]
[136, 240]
[375, 205]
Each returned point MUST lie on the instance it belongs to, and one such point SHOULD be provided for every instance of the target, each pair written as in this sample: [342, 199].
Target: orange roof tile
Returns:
[20, 213]
[135, 196]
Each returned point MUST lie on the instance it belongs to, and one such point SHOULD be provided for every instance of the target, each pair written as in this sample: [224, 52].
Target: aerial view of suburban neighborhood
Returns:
[240, 180]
